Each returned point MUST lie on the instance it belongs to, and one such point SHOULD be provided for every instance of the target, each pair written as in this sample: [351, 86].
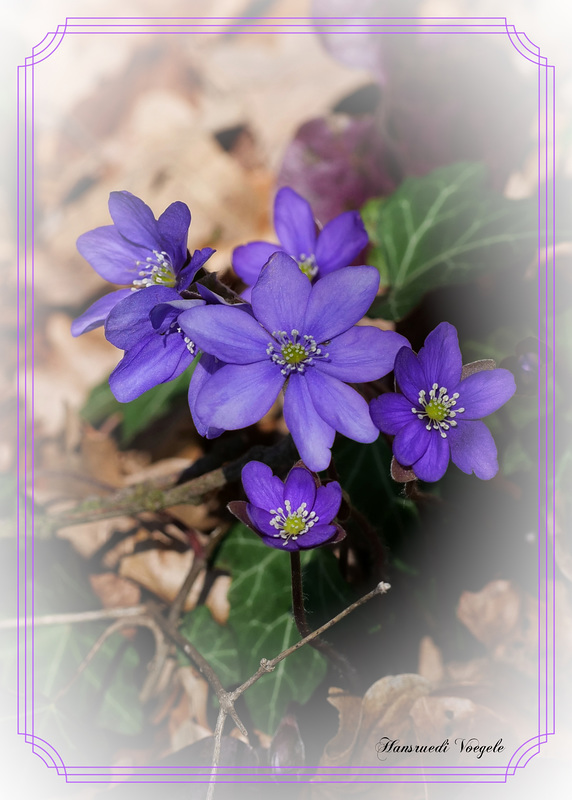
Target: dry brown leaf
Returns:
[101, 458]
[88, 538]
[504, 619]
[197, 691]
[114, 591]
[430, 661]
[217, 599]
[163, 573]
[491, 614]
[338, 750]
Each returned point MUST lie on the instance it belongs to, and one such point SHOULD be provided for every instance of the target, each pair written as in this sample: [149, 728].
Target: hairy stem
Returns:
[338, 660]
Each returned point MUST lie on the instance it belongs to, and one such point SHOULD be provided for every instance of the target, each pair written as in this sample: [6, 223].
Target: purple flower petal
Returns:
[362, 354]
[485, 392]
[173, 226]
[433, 463]
[129, 321]
[390, 412]
[409, 375]
[198, 259]
[280, 295]
[248, 259]
[110, 255]
[473, 449]
[261, 519]
[317, 535]
[411, 442]
[163, 315]
[134, 220]
[238, 395]
[440, 357]
[204, 369]
[299, 488]
[294, 223]
[227, 333]
[340, 242]
[262, 488]
[155, 359]
[338, 300]
[279, 543]
[98, 312]
[312, 435]
[341, 407]
[328, 502]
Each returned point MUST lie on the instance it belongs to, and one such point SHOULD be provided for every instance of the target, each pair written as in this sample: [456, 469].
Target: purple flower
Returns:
[317, 254]
[140, 251]
[294, 515]
[157, 350]
[437, 416]
[300, 336]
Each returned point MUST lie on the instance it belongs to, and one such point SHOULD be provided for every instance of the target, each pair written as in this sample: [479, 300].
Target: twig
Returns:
[269, 665]
[141, 620]
[80, 616]
[200, 662]
[135, 500]
[221, 719]
[199, 563]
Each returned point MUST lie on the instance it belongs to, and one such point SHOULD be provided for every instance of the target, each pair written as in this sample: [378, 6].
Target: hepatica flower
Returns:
[138, 251]
[295, 515]
[301, 337]
[438, 415]
[317, 254]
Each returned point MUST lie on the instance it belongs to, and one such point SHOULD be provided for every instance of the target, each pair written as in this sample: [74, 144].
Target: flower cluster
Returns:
[297, 334]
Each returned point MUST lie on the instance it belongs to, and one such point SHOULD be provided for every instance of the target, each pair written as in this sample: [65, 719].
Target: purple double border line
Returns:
[375, 773]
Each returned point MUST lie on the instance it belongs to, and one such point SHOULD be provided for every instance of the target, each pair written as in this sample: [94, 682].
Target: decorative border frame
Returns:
[546, 427]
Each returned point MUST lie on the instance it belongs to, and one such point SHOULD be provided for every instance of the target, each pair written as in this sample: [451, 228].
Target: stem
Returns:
[338, 660]
[298, 594]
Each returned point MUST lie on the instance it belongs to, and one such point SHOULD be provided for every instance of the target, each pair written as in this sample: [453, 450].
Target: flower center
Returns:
[291, 524]
[438, 409]
[156, 270]
[293, 352]
[308, 265]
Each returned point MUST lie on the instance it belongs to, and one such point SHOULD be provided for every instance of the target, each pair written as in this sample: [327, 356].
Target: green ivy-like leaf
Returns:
[438, 230]
[216, 643]
[260, 616]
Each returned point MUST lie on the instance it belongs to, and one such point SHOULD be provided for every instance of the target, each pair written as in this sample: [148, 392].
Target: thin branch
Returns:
[141, 620]
[80, 616]
[144, 497]
[269, 665]
[199, 563]
[221, 719]
[200, 662]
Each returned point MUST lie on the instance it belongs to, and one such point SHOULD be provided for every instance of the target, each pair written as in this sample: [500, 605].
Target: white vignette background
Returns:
[25, 25]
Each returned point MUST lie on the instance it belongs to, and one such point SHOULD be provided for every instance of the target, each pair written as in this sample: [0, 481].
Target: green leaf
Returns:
[439, 230]
[260, 616]
[139, 413]
[216, 643]
[364, 471]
